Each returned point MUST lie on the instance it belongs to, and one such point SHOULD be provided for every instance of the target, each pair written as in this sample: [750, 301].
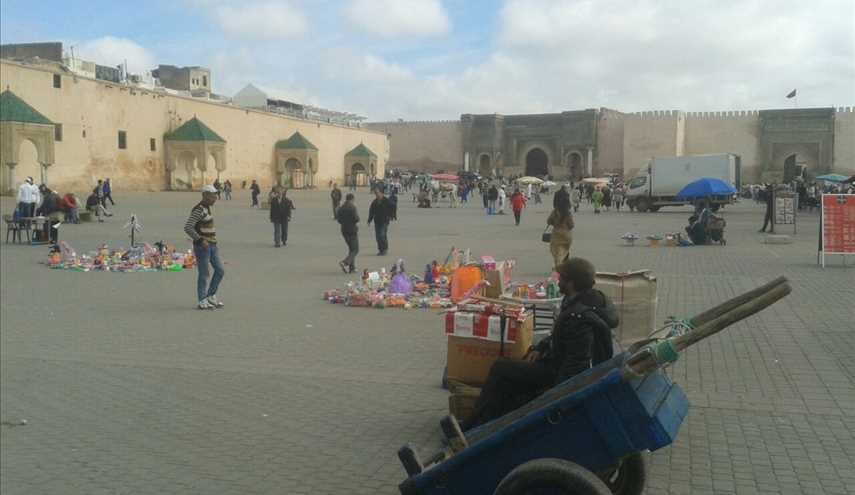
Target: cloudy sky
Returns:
[436, 59]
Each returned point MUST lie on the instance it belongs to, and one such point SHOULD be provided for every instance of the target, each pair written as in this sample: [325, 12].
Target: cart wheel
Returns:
[551, 476]
[629, 477]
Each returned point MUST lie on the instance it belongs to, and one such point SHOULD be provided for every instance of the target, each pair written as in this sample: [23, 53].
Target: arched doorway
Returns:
[358, 174]
[294, 174]
[574, 160]
[484, 166]
[536, 163]
[28, 163]
[791, 168]
[187, 161]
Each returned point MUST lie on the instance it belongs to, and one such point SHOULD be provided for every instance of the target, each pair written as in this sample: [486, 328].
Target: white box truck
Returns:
[657, 184]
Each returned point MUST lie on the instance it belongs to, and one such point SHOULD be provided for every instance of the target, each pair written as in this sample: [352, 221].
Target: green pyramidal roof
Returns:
[296, 142]
[194, 130]
[14, 109]
[362, 150]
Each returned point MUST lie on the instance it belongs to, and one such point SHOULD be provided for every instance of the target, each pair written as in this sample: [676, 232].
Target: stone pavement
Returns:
[126, 388]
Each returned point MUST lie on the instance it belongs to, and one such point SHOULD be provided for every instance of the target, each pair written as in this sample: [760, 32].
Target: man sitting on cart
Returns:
[581, 338]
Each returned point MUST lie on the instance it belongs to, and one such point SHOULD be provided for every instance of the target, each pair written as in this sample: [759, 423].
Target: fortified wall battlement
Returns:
[625, 141]
[92, 114]
[428, 145]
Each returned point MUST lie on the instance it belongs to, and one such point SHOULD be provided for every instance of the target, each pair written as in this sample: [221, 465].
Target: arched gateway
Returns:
[536, 163]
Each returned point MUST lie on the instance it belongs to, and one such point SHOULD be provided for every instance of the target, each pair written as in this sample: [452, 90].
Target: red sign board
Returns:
[838, 223]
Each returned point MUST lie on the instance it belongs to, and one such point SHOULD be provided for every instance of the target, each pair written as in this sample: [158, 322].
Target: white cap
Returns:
[209, 189]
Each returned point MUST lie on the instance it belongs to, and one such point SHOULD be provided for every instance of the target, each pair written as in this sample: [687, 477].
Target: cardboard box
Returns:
[499, 279]
[470, 357]
[635, 296]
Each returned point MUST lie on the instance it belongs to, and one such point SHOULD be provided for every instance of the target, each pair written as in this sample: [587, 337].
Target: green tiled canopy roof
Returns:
[296, 142]
[14, 109]
[362, 150]
[194, 130]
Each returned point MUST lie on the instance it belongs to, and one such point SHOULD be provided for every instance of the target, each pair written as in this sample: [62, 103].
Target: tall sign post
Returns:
[837, 226]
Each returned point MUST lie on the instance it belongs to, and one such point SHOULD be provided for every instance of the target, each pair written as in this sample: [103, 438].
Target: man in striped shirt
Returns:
[200, 228]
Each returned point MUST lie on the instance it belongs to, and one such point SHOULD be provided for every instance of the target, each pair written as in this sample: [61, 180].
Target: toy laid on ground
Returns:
[441, 286]
[585, 435]
[143, 258]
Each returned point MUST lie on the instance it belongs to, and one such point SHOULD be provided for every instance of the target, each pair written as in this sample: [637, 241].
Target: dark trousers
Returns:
[280, 232]
[768, 219]
[509, 385]
[335, 205]
[108, 195]
[352, 241]
[484, 199]
[517, 215]
[254, 200]
[380, 231]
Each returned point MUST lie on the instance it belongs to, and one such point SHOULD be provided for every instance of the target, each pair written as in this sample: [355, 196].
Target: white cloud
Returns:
[268, 20]
[113, 51]
[395, 18]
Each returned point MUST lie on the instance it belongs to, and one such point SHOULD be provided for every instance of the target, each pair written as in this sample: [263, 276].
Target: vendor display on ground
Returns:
[145, 258]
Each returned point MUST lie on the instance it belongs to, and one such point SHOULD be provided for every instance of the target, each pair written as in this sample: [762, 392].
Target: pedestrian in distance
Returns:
[576, 198]
[561, 197]
[256, 190]
[561, 221]
[227, 190]
[348, 218]
[200, 228]
[380, 212]
[335, 196]
[768, 196]
[597, 200]
[518, 202]
[607, 197]
[108, 192]
[28, 197]
[492, 199]
[280, 214]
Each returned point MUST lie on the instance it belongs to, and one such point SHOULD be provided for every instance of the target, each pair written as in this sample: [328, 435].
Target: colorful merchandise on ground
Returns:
[143, 258]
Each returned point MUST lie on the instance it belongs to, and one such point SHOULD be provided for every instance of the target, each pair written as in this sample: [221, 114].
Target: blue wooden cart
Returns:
[584, 436]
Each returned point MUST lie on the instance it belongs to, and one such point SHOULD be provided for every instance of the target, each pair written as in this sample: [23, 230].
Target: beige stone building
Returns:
[771, 144]
[96, 129]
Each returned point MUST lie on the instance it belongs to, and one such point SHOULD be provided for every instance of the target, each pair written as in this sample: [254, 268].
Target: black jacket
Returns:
[348, 218]
[381, 211]
[582, 335]
[493, 194]
[335, 195]
[561, 199]
[280, 209]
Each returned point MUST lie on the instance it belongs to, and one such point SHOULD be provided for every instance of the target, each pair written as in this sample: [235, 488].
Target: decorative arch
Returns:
[360, 163]
[207, 149]
[485, 165]
[20, 122]
[575, 166]
[296, 162]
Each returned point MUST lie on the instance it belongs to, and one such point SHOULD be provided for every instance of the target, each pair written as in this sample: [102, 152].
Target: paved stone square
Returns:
[128, 389]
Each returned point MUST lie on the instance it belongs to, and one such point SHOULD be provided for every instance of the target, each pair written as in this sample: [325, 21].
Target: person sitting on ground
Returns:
[581, 338]
[697, 228]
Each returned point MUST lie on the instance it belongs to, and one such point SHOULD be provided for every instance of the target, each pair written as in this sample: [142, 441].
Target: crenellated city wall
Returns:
[428, 145]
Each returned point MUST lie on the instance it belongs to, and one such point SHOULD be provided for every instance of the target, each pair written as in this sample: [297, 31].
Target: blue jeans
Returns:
[380, 230]
[204, 256]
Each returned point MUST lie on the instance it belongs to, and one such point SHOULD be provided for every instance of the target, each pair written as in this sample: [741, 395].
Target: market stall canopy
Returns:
[705, 186]
[529, 180]
[851, 180]
[445, 177]
[549, 183]
[597, 180]
[833, 178]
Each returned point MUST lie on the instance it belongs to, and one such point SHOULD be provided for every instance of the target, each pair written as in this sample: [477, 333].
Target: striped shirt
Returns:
[200, 224]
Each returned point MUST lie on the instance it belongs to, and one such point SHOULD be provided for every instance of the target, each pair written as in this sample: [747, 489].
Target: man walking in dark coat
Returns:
[280, 215]
[381, 213]
[769, 197]
[348, 218]
[335, 195]
[256, 190]
[561, 199]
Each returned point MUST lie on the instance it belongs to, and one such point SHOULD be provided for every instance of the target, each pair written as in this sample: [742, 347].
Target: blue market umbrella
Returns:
[706, 186]
[833, 178]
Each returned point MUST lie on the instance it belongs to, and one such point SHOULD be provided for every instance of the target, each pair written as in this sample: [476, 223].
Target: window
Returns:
[152, 144]
[57, 81]
[123, 140]
[205, 81]
[637, 182]
[57, 132]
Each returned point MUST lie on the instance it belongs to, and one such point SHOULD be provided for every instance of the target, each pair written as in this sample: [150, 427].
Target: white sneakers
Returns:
[210, 302]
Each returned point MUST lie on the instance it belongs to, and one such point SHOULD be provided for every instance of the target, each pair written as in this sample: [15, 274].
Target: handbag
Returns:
[546, 236]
